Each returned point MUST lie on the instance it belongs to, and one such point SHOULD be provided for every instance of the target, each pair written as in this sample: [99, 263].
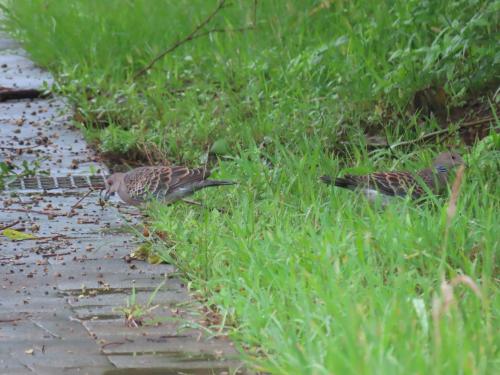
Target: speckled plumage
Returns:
[166, 184]
[402, 183]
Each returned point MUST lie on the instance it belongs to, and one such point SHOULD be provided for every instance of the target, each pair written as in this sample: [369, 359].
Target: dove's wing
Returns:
[388, 183]
[146, 181]
[183, 177]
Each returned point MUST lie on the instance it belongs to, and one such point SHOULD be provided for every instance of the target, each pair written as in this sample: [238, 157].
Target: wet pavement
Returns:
[62, 293]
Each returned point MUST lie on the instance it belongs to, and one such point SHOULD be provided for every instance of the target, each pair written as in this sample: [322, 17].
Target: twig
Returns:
[477, 122]
[211, 31]
[10, 148]
[133, 214]
[10, 320]
[104, 346]
[194, 203]
[181, 41]
[11, 262]
[196, 34]
[7, 93]
[25, 210]
[10, 225]
[452, 204]
[441, 305]
[70, 212]
[255, 13]
[55, 254]
[234, 30]
[443, 131]
[16, 257]
[48, 238]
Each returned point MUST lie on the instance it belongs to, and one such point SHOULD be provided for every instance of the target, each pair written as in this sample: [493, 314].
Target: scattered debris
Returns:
[9, 93]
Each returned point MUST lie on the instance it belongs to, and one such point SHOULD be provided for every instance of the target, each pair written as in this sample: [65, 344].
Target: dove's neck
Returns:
[438, 176]
[441, 168]
[435, 177]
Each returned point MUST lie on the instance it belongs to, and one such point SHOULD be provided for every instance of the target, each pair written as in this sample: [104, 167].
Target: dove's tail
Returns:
[208, 183]
[345, 183]
[326, 179]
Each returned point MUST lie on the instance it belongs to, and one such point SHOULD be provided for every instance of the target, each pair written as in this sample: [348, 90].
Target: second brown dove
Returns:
[166, 184]
[401, 184]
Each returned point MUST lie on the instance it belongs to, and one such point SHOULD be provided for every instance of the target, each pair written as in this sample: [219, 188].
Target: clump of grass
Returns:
[322, 69]
[316, 280]
[135, 313]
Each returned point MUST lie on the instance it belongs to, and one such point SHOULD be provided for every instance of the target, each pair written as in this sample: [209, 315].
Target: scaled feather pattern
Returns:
[402, 183]
[163, 183]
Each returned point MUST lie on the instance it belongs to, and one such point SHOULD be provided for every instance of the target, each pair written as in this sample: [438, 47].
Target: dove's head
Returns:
[113, 183]
[448, 160]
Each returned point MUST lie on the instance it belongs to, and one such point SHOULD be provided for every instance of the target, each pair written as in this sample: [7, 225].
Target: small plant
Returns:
[136, 313]
[31, 169]
[7, 173]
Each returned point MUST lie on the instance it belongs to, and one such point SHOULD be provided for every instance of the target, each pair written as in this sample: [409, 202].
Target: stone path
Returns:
[59, 293]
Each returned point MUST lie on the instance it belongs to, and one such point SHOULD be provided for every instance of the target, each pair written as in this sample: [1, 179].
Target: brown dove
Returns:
[402, 183]
[166, 184]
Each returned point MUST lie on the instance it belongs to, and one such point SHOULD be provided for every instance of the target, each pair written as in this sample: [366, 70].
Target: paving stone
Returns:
[167, 297]
[57, 352]
[21, 72]
[61, 293]
[168, 365]
[76, 370]
[109, 275]
[108, 307]
[113, 312]
[182, 348]
[10, 365]
[39, 126]
[8, 44]
[116, 330]
[60, 326]
[24, 331]
[28, 288]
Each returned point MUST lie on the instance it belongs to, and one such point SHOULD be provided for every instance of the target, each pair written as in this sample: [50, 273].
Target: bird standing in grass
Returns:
[401, 184]
[166, 184]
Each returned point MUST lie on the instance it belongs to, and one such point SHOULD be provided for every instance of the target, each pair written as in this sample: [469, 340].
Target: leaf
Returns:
[15, 235]
[154, 259]
[4, 167]
[396, 54]
[146, 253]
[419, 305]
[220, 147]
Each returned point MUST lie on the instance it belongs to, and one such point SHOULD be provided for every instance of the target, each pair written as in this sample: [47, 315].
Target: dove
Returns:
[166, 184]
[387, 184]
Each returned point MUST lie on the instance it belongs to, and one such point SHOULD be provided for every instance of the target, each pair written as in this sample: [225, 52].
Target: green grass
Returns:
[312, 280]
[317, 281]
[305, 71]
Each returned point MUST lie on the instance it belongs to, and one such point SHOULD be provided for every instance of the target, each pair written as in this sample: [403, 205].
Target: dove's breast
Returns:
[374, 195]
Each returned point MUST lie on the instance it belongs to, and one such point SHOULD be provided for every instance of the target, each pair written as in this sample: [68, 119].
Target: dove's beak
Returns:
[107, 194]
